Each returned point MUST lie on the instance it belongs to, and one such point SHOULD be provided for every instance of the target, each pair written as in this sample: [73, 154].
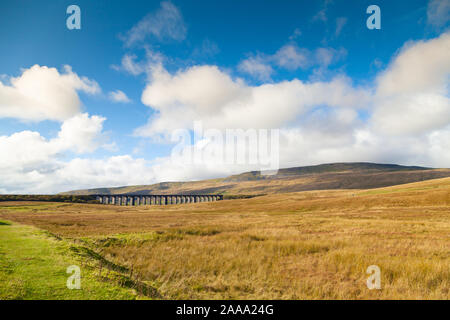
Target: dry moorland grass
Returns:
[306, 245]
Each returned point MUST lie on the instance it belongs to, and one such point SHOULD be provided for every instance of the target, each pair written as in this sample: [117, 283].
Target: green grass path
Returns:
[33, 266]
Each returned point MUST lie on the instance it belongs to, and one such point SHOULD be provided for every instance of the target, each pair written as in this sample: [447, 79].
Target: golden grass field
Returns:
[304, 245]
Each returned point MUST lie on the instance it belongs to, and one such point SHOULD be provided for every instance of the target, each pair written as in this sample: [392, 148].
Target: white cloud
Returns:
[82, 133]
[78, 173]
[25, 149]
[119, 96]
[42, 93]
[412, 93]
[407, 111]
[339, 137]
[358, 143]
[411, 114]
[406, 121]
[257, 68]
[420, 66]
[78, 134]
[28, 159]
[438, 13]
[166, 23]
[128, 64]
[439, 147]
[291, 57]
[208, 94]
[114, 171]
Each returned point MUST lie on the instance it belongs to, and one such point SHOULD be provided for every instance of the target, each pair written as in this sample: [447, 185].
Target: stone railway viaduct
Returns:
[136, 200]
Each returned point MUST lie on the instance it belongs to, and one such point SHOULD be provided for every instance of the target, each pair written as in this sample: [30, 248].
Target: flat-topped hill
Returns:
[360, 175]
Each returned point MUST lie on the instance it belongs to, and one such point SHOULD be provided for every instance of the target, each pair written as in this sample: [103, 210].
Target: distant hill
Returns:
[325, 168]
[359, 175]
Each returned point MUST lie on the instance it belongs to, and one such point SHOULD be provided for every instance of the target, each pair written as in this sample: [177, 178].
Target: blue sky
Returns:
[252, 44]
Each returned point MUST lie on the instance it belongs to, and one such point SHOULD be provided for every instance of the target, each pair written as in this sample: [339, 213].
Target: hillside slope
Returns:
[320, 177]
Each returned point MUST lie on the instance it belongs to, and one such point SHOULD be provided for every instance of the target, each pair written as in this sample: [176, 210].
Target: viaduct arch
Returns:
[137, 200]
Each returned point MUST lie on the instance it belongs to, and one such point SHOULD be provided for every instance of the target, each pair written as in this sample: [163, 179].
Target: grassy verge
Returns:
[33, 266]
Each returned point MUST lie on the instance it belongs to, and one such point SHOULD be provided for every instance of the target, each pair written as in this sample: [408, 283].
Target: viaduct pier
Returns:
[141, 200]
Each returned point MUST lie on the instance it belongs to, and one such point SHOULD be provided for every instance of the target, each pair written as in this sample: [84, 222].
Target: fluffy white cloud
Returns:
[166, 23]
[113, 171]
[80, 134]
[208, 94]
[412, 93]
[78, 173]
[28, 159]
[119, 96]
[42, 93]
[411, 114]
[421, 66]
